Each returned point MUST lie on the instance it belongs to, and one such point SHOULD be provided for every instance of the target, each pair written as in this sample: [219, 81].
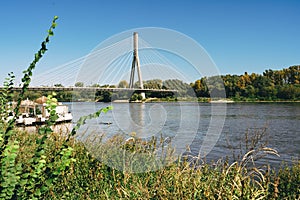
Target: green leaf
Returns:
[43, 46]
[50, 32]
[53, 25]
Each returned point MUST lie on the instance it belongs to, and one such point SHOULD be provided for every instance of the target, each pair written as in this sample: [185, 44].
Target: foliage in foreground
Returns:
[89, 178]
[29, 179]
[34, 176]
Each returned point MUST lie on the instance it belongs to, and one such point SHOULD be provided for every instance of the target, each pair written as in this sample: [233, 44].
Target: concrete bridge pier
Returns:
[136, 63]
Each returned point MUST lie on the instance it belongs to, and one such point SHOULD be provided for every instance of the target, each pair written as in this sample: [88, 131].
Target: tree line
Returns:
[271, 85]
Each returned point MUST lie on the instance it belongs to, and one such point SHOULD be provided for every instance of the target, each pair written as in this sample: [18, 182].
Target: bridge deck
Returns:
[40, 88]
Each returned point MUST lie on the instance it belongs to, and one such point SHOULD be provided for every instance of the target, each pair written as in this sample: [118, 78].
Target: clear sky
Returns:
[239, 35]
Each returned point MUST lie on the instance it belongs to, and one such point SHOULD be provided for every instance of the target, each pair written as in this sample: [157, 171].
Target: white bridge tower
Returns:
[136, 63]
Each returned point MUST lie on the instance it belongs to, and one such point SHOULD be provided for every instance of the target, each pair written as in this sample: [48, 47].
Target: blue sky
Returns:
[239, 35]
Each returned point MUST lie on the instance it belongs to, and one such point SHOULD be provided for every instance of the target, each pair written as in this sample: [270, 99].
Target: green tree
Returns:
[286, 92]
[136, 97]
[153, 84]
[79, 84]
[123, 84]
[95, 85]
[58, 85]
[175, 84]
[264, 87]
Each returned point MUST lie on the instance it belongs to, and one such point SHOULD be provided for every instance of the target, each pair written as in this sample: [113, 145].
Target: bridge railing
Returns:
[44, 88]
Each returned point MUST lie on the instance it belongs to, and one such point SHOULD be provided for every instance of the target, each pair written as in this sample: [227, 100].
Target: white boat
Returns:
[33, 113]
[222, 101]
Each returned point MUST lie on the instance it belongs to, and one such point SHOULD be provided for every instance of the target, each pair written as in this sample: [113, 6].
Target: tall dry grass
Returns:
[91, 178]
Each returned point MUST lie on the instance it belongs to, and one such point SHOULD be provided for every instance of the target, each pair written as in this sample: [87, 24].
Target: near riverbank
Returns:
[189, 178]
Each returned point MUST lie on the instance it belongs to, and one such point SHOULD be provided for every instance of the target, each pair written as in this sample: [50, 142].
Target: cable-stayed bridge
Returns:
[109, 89]
[110, 63]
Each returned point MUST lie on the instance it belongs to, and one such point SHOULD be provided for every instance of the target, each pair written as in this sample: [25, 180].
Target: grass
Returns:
[91, 178]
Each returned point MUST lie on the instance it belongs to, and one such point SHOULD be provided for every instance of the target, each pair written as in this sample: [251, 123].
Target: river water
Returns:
[212, 130]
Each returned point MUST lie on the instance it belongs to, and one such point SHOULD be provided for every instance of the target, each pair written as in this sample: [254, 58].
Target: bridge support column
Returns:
[143, 95]
[136, 63]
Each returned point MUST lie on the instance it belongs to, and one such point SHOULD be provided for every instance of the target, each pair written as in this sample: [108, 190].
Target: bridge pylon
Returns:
[136, 64]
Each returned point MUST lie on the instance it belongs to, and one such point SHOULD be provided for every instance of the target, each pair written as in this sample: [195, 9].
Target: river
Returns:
[214, 130]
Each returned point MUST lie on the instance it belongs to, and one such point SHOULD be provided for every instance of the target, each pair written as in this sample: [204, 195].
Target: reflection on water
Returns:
[58, 128]
[281, 121]
[144, 120]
